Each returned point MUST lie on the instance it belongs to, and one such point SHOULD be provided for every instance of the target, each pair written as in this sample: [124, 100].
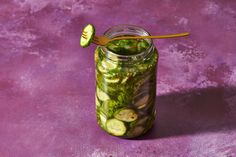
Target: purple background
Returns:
[47, 80]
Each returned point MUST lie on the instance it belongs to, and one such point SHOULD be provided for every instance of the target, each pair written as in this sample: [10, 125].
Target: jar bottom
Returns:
[137, 129]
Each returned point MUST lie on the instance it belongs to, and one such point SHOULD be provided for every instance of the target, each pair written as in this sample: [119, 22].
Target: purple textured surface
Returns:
[47, 80]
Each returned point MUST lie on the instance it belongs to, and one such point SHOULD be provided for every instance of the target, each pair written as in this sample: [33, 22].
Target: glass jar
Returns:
[126, 85]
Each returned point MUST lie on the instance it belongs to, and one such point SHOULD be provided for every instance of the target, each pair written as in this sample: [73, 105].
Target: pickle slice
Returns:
[87, 36]
[126, 115]
[102, 95]
[115, 127]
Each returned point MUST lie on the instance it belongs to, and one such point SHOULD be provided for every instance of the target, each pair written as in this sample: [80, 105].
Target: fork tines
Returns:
[84, 35]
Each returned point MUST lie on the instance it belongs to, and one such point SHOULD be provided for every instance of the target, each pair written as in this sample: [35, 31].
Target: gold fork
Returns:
[102, 40]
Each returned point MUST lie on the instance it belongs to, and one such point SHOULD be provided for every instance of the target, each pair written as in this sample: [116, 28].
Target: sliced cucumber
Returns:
[115, 127]
[108, 75]
[112, 80]
[144, 80]
[103, 118]
[102, 95]
[101, 68]
[108, 65]
[142, 102]
[113, 47]
[136, 131]
[113, 58]
[126, 115]
[124, 79]
[97, 101]
[105, 66]
[89, 30]
[105, 107]
[142, 121]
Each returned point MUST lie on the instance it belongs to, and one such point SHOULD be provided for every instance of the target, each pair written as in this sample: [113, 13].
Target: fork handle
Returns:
[153, 37]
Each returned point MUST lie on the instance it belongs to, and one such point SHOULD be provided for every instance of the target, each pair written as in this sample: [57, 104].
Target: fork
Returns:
[102, 40]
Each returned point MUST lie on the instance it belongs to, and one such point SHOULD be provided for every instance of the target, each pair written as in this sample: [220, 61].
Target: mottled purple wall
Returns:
[47, 80]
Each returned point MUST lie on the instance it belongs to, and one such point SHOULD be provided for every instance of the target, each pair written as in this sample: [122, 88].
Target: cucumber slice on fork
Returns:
[87, 35]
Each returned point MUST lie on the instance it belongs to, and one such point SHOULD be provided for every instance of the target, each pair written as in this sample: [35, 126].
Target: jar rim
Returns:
[127, 29]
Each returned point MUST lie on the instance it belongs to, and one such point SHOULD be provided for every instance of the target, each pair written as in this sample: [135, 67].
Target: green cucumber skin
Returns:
[132, 80]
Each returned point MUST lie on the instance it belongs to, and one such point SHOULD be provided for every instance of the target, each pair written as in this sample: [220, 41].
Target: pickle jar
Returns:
[126, 83]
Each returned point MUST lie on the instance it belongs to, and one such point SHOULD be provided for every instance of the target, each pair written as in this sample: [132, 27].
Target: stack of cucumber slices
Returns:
[127, 121]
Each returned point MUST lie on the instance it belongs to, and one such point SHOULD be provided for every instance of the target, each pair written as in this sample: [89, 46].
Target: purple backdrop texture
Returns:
[47, 80]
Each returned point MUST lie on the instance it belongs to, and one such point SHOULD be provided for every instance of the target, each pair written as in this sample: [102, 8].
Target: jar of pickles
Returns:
[126, 83]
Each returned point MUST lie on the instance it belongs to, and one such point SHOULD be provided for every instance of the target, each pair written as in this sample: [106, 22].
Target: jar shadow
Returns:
[193, 112]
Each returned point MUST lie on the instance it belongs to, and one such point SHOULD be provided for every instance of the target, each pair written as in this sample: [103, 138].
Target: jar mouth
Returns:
[126, 29]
